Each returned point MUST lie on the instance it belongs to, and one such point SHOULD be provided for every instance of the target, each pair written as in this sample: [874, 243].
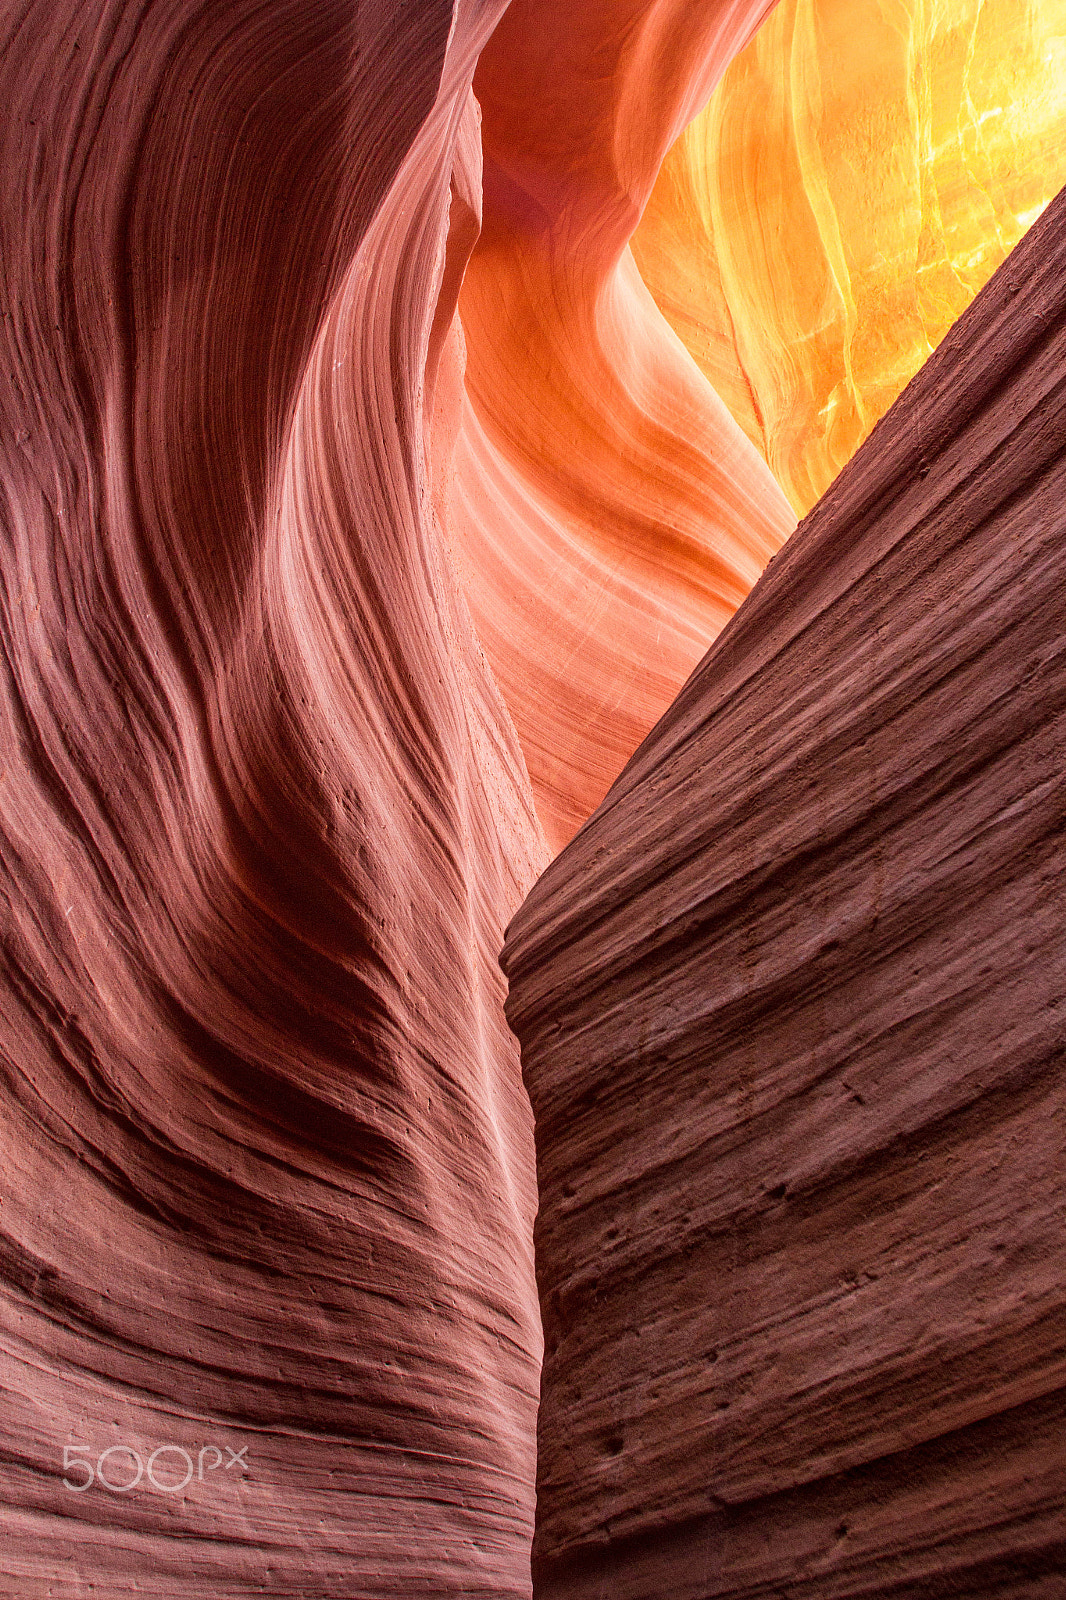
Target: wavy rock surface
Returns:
[606, 512]
[793, 1024]
[268, 1162]
[862, 169]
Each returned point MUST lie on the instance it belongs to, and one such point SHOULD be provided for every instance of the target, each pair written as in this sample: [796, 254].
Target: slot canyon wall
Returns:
[267, 1158]
[793, 1019]
[361, 512]
[265, 811]
[607, 512]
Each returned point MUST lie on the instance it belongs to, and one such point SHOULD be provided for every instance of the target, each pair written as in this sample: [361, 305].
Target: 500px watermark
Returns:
[126, 1468]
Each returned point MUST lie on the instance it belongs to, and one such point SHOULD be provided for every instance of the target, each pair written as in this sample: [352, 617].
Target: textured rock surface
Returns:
[607, 513]
[861, 171]
[268, 1167]
[793, 1017]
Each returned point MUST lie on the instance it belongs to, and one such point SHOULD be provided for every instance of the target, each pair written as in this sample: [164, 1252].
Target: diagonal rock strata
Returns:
[332, 490]
[792, 1008]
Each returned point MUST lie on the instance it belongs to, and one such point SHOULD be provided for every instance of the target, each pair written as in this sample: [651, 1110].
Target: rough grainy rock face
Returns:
[793, 1018]
[268, 1163]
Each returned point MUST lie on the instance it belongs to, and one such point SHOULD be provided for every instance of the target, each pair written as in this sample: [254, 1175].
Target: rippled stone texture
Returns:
[606, 512]
[863, 168]
[793, 1019]
[268, 1163]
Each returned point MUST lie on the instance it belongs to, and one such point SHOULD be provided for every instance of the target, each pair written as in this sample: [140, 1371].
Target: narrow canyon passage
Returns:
[365, 502]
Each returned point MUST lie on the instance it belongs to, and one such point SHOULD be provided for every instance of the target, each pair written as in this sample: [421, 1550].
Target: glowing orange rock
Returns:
[606, 512]
[859, 174]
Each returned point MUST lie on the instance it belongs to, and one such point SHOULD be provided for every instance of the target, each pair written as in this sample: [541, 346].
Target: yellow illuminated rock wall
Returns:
[861, 171]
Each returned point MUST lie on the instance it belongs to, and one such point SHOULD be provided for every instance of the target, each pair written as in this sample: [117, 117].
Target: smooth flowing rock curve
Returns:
[858, 175]
[268, 1162]
[792, 1008]
[605, 511]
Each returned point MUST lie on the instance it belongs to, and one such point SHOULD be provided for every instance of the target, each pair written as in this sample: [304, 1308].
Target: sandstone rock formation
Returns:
[268, 1169]
[606, 512]
[863, 168]
[349, 471]
[793, 1019]
[268, 1158]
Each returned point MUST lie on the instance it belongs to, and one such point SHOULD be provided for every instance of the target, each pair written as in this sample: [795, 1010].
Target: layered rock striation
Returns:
[264, 809]
[792, 1008]
[606, 512]
[347, 471]
[268, 1163]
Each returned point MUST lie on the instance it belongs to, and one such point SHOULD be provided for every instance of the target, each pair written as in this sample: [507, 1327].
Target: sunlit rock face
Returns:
[861, 171]
[606, 512]
[793, 1019]
[267, 1161]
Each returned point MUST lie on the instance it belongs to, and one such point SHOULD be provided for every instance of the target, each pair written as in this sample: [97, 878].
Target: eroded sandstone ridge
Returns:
[267, 1161]
[793, 1019]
